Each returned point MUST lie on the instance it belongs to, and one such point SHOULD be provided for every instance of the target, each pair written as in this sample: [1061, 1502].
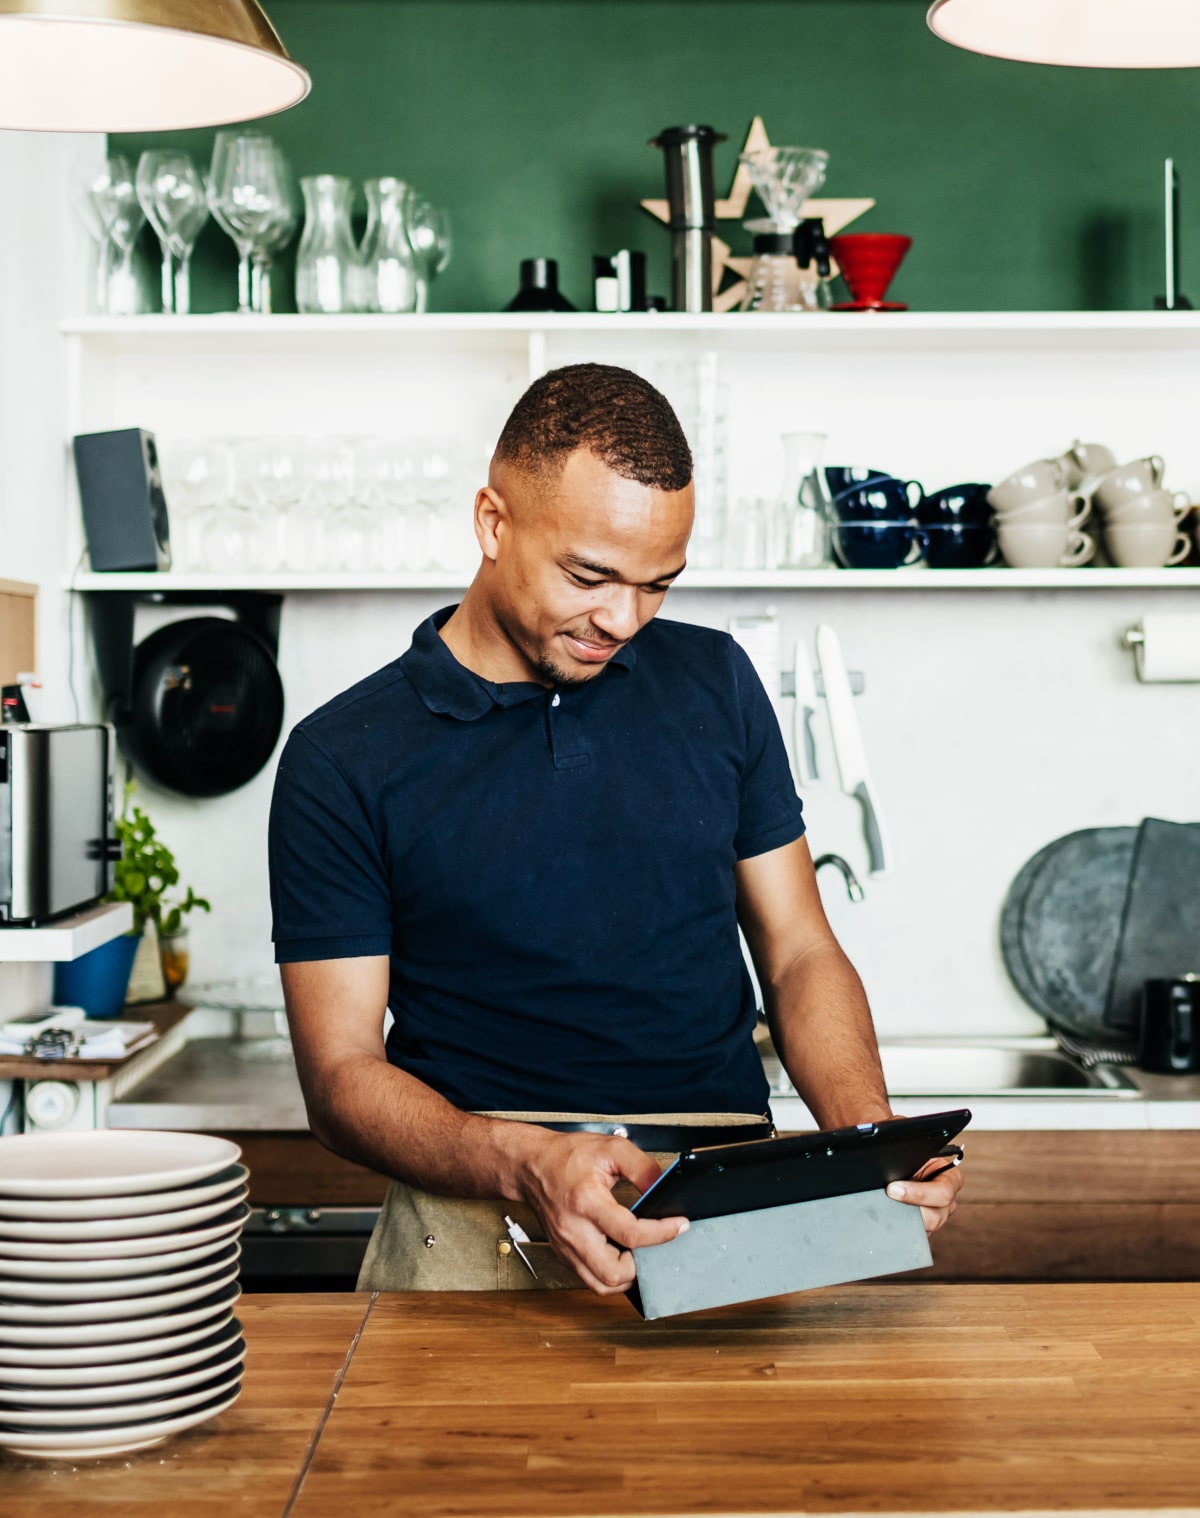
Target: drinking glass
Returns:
[246, 190]
[114, 199]
[171, 191]
[197, 481]
[276, 236]
[429, 233]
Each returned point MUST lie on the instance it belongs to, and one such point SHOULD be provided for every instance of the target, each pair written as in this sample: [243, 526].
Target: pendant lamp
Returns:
[141, 65]
[1096, 34]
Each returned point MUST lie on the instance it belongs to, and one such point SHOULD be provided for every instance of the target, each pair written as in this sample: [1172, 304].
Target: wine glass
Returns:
[113, 195]
[429, 233]
[171, 191]
[246, 191]
[276, 235]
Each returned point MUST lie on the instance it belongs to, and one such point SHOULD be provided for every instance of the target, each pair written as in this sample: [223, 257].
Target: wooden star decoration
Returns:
[836, 214]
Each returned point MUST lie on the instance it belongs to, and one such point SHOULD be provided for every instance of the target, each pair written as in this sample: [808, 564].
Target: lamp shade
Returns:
[141, 65]
[1097, 34]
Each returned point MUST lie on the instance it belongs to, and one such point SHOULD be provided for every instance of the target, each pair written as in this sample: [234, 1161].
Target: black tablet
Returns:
[710, 1183]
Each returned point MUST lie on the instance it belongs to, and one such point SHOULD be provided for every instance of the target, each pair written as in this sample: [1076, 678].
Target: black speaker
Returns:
[124, 509]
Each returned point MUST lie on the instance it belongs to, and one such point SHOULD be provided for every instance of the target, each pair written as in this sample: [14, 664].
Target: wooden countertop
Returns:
[879, 1398]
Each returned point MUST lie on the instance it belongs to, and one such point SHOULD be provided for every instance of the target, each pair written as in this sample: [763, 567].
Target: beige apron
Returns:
[424, 1242]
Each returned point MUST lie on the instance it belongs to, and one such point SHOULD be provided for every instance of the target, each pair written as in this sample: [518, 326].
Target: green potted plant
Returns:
[143, 876]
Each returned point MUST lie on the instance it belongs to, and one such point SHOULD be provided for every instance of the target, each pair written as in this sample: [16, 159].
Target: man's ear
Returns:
[492, 516]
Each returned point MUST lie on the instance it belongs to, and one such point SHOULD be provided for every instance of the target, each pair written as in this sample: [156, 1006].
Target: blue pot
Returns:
[97, 981]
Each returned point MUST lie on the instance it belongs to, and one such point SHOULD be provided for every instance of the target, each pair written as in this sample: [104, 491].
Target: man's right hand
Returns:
[567, 1178]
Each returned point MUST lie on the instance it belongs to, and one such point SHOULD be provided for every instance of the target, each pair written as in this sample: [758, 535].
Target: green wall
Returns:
[1023, 187]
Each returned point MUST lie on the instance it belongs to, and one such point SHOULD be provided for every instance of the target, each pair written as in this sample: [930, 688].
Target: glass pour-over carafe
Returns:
[791, 260]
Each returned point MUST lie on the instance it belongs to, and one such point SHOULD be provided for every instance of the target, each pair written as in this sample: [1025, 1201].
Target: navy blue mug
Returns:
[878, 545]
[882, 500]
[957, 503]
[959, 545]
[840, 477]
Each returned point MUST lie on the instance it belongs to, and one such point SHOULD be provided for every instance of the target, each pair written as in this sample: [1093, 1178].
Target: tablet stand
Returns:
[779, 1249]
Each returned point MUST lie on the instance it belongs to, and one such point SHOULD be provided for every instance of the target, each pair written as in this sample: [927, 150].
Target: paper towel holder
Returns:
[1134, 639]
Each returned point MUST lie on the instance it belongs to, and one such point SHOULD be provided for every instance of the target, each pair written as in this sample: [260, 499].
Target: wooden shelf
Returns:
[68, 938]
[1086, 578]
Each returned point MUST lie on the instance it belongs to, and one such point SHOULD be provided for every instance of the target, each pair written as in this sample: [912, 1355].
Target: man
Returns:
[533, 838]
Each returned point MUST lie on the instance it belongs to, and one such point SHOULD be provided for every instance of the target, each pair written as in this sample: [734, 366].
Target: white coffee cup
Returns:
[1061, 507]
[1154, 506]
[1086, 461]
[1146, 545]
[1031, 483]
[1129, 480]
[1043, 545]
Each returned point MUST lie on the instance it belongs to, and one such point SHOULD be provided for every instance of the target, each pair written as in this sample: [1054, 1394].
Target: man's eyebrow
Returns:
[614, 574]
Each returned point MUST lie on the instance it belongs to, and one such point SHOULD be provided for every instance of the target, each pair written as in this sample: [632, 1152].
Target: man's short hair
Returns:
[613, 413]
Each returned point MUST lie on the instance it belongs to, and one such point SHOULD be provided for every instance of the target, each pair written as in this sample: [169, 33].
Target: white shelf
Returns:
[702, 579]
[499, 331]
[69, 937]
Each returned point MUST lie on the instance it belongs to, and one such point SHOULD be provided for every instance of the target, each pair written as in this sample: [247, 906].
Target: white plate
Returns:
[98, 1322]
[104, 1309]
[144, 1204]
[123, 1278]
[97, 1397]
[181, 1332]
[22, 1378]
[108, 1162]
[95, 1267]
[227, 1224]
[94, 1443]
[151, 1226]
[128, 1411]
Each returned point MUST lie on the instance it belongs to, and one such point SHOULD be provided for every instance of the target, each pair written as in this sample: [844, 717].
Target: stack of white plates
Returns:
[118, 1277]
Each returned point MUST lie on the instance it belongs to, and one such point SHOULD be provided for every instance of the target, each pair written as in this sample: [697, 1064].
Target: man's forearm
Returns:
[382, 1117]
[821, 1028]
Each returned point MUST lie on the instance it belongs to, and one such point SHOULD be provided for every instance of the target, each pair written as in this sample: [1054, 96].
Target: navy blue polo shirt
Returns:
[550, 871]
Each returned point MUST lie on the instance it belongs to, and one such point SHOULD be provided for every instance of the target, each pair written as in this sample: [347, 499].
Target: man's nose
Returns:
[617, 615]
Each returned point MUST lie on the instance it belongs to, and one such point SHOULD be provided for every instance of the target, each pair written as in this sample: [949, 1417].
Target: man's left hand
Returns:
[937, 1199]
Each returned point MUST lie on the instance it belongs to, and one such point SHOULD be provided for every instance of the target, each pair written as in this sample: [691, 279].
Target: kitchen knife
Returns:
[848, 745]
[804, 742]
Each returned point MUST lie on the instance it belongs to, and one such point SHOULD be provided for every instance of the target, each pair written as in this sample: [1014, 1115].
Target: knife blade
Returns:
[803, 740]
[848, 744]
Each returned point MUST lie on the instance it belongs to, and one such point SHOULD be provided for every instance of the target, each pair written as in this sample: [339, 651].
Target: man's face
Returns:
[578, 562]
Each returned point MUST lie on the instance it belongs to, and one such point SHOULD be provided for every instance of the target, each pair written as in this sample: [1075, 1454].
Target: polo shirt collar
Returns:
[450, 688]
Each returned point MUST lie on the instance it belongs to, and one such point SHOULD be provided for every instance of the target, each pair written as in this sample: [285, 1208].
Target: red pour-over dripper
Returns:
[868, 261]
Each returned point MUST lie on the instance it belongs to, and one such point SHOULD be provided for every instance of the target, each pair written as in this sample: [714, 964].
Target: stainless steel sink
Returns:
[1017, 1067]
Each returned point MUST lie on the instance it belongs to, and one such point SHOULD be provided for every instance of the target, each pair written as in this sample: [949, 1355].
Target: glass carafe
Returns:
[389, 265]
[800, 530]
[327, 256]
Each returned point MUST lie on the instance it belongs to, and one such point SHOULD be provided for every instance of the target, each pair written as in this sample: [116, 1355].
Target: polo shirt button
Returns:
[620, 1131]
[557, 699]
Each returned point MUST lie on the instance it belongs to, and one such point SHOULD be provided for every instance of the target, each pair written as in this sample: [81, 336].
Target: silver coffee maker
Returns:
[687, 153]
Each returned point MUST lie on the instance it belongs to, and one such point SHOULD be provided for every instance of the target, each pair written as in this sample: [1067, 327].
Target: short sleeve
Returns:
[770, 813]
[329, 889]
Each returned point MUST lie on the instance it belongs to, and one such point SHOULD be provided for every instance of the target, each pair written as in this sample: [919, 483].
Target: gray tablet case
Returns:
[745, 1255]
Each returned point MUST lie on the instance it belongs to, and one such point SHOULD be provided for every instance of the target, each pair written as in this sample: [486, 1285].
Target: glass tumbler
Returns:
[389, 265]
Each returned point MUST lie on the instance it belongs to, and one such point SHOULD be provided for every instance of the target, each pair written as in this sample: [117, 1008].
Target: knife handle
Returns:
[872, 829]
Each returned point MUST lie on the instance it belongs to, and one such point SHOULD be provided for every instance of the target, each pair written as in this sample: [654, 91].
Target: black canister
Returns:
[1167, 1040]
[539, 288]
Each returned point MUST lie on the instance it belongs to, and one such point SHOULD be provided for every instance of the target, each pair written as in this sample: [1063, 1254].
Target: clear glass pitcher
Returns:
[800, 531]
[327, 258]
[389, 265]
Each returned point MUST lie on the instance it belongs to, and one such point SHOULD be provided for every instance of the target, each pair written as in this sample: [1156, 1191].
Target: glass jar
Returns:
[327, 256]
[389, 265]
[173, 949]
[801, 536]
